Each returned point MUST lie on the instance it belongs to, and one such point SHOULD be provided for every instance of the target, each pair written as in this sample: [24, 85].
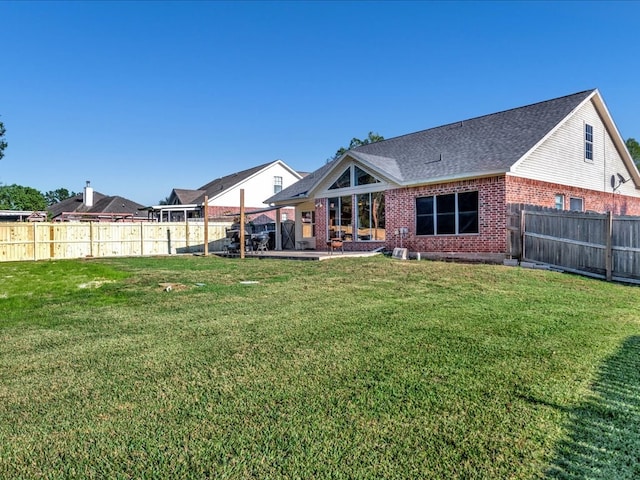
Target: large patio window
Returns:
[451, 214]
[370, 216]
[340, 217]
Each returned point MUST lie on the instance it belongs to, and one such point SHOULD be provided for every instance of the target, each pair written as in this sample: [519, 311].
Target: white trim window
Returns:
[588, 142]
[559, 201]
[277, 184]
[576, 204]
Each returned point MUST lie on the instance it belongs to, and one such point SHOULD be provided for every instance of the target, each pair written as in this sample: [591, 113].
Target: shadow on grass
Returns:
[604, 439]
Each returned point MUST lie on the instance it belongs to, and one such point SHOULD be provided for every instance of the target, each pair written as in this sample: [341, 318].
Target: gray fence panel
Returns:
[580, 242]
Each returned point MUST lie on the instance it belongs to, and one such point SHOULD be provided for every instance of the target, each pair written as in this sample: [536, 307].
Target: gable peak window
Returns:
[588, 142]
[353, 176]
[343, 180]
[362, 177]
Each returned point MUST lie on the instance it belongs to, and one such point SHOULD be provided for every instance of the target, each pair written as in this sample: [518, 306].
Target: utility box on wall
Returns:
[400, 253]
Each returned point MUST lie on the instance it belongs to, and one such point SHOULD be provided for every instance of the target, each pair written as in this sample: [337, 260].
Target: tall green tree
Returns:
[17, 197]
[58, 195]
[3, 143]
[634, 149]
[356, 142]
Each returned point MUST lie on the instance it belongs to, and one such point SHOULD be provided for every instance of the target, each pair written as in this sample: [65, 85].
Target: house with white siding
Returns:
[222, 195]
[448, 189]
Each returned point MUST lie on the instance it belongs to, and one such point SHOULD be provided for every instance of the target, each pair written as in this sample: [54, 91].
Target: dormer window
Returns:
[588, 142]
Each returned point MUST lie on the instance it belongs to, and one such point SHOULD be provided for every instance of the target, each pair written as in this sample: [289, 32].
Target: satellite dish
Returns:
[617, 180]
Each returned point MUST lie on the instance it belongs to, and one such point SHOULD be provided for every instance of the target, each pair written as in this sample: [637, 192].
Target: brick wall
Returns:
[321, 225]
[494, 193]
[534, 192]
[400, 212]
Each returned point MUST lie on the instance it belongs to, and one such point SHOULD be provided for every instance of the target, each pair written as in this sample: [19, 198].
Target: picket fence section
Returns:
[598, 245]
[22, 241]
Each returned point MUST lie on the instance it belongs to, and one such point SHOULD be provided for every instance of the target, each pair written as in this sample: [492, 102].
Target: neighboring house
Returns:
[223, 194]
[447, 190]
[23, 216]
[96, 207]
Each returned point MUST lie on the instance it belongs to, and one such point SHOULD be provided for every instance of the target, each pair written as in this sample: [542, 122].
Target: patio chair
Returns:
[335, 244]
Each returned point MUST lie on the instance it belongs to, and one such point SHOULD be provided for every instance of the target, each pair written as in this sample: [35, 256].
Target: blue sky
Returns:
[143, 97]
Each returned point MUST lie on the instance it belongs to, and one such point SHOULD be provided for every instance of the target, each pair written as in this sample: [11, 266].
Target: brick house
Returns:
[446, 190]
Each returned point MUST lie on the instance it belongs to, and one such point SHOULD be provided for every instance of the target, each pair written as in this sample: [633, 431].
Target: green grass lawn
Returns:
[350, 368]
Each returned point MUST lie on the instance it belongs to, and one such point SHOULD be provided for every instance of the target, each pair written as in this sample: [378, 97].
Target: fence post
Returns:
[205, 209]
[52, 250]
[608, 259]
[141, 239]
[35, 241]
[242, 226]
[522, 232]
[91, 252]
[186, 234]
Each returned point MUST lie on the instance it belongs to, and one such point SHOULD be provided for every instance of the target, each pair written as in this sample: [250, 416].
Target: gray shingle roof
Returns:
[481, 145]
[73, 204]
[219, 185]
[101, 204]
[185, 197]
[116, 204]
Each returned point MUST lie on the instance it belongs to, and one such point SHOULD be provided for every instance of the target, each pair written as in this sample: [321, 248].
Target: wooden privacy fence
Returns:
[598, 245]
[43, 241]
